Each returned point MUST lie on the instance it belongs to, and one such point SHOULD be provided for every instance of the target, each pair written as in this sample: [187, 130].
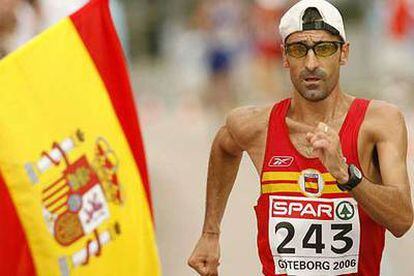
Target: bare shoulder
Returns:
[384, 119]
[247, 123]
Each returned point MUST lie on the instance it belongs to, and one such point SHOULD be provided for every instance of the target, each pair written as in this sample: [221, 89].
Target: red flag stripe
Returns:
[15, 254]
[105, 49]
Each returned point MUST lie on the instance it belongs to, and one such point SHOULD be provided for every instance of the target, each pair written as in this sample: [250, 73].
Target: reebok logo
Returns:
[281, 161]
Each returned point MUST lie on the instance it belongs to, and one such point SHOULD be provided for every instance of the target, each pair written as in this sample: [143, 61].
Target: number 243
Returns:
[318, 245]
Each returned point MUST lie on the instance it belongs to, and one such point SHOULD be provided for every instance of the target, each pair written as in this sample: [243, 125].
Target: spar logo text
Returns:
[304, 209]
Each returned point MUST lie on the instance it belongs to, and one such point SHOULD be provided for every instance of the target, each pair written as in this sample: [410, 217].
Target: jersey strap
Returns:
[350, 130]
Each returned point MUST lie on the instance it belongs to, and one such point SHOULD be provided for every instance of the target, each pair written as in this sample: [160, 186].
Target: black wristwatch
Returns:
[355, 177]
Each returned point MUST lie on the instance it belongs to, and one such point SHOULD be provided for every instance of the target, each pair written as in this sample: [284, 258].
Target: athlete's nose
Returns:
[311, 61]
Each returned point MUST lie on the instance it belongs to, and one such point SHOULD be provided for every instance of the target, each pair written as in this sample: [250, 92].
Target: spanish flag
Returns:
[74, 194]
[311, 183]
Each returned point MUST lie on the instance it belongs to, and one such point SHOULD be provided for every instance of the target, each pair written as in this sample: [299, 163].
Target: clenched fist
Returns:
[326, 143]
[206, 255]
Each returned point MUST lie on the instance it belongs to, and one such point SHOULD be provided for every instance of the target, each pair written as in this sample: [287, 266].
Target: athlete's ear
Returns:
[285, 61]
[344, 54]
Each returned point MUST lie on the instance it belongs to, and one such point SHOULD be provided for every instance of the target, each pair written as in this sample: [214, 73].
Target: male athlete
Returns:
[333, 167]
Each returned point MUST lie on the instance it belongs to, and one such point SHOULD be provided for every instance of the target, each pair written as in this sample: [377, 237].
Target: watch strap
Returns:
[355, 177]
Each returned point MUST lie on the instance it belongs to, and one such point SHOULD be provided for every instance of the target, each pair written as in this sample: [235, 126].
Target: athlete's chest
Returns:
[297, 137]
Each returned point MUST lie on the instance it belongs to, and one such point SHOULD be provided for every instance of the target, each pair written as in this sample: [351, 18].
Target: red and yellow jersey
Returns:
[306, 224]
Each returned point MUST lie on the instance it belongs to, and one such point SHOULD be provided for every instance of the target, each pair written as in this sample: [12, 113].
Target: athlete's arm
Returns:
[225, 157]
[390, 203]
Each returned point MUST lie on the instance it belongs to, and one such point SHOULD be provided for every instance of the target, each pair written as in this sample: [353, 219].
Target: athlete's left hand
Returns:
[327, 145]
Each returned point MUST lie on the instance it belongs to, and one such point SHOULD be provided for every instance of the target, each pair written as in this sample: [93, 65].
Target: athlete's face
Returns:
[313, 76]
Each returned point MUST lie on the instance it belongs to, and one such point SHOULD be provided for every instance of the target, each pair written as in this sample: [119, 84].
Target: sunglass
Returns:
[321, 48]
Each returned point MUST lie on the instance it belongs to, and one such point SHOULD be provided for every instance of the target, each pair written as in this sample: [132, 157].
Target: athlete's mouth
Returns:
[312, 79]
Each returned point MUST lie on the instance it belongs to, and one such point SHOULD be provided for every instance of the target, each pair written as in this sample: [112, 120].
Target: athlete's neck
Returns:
[330, 109]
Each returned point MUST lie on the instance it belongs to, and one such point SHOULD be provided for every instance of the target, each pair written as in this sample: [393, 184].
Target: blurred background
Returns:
[191, 62]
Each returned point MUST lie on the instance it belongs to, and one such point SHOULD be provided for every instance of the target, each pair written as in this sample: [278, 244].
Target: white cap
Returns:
[292, 20]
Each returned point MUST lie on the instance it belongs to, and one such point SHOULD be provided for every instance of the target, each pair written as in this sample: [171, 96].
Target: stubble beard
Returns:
[316, 92]
[314, 95]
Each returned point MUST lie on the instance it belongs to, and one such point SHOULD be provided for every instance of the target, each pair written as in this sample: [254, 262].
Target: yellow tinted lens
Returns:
[296, 50]
[325, 49]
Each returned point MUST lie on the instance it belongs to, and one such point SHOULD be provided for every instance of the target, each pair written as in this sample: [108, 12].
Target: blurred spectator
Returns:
[224, 25]
[54, 10]
[266, 40]
[19, 21]
[120, 21]
[401, 19]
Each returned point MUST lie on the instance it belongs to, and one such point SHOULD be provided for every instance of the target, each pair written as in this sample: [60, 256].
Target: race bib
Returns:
[311, 236]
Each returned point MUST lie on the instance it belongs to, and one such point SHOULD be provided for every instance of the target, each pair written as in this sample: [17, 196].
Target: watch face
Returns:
[357, 172]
